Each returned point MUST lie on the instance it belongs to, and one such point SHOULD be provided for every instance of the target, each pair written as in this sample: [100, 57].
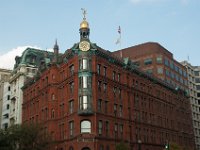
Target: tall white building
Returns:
[4, 78]
[25, 68]
[193, 73]
[6, 106]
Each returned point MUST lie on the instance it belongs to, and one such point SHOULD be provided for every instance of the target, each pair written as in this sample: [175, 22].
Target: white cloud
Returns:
[8, 59]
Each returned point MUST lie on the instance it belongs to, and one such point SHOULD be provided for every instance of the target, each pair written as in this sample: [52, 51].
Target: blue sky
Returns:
[175, 24]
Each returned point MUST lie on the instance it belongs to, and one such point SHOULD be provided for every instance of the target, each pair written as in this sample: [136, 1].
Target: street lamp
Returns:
[167, 146]
[139, 144]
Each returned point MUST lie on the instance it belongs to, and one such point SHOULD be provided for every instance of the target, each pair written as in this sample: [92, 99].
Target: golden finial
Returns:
[84, 23]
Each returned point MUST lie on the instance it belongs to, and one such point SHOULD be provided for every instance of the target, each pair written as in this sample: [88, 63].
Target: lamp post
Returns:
[139, 144]
[167, 146]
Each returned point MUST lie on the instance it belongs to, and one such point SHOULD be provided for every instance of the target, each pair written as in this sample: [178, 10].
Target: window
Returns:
[166, 62]
[148, 61]
[104, 71]
[149, 71]
[185, 82]
[114, 73]
[99, 86]
[176, 68]
[7, 106]
[172, 75]
[184, 73]
[85, 126]
[53, 76]
[198, 87]
[160, 70]
[114, 91]
[52, 113]
[8, 97]
[71, 68]
[196, 73]
[115, 109]
[181, 80]
[120, 94]
[85, 82]
[197, 80]
[105, 87]
[107, 128]
[171, 65]
[71, 106]
[71, 84]
[180, 71]
[8, 88]
[52, 97]
[198, 94]
[62, 109]
[167, 72]
[99, 105]
[177, 77]
[159, 59]
[71, 148]
[100, 127]
[120, 111]
[101, 147]
[71, 128]
[106, 107]
[118, 77]
[116, 129]
[121, 130]
[98, 69]
[83, 102]
[85, 63]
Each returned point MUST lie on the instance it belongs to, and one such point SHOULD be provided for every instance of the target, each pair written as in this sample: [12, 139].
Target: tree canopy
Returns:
[23, 137]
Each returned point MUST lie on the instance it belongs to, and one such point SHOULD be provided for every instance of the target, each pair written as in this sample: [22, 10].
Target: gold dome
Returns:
[84, 24]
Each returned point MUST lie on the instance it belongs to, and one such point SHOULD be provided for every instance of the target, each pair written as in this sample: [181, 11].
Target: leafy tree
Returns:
[122, 146]
[174, 146]
[24, 137]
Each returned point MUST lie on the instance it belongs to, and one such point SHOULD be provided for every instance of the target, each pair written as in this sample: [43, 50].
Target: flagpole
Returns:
[120, 40]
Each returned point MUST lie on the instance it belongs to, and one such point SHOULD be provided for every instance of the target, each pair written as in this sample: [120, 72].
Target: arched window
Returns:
[85, 126]
[53, 97]
[71, 148]
[52, 113]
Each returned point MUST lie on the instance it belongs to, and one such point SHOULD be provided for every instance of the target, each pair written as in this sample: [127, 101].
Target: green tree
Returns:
[174, 146]
[24, 137]
[122, 146]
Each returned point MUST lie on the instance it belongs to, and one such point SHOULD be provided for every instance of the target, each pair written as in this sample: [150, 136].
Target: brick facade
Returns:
[127, 105]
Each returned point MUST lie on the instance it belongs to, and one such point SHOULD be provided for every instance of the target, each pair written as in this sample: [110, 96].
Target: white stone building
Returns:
[25, 68]
[6, 106]
[193, 73]
[4, 78]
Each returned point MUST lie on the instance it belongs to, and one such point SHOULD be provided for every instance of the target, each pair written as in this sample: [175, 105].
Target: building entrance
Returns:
[86, 148]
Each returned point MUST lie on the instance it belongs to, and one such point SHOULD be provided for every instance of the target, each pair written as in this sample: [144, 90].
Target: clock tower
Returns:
[85, 70]
[84, 28]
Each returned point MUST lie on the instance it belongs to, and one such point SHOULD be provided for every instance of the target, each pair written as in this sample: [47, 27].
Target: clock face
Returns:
[84, 46]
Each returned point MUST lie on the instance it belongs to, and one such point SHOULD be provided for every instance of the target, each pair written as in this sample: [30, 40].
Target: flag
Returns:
[119, 39]
[119, 30]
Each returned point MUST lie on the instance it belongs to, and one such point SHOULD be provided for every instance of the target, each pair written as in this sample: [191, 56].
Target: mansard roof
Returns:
[34, 57]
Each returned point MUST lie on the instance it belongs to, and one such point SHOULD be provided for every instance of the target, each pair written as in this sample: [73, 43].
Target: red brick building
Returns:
[88, 99]
[155, 59]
